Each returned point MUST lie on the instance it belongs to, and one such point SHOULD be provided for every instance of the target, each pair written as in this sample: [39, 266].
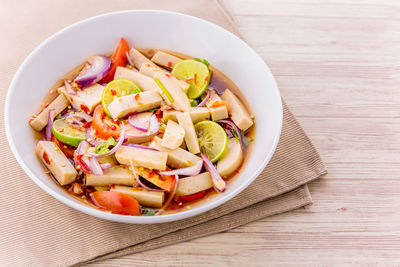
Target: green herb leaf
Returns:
[204, 61]
[246, 140]
[153, 110]
[148, 212]
[193, 103]
[235, 134]
[103, 148]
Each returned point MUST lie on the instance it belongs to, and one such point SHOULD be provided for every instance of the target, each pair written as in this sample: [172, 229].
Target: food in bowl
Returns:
[143, 132]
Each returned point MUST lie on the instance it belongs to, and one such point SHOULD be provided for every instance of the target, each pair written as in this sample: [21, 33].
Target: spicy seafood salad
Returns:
[143, 132]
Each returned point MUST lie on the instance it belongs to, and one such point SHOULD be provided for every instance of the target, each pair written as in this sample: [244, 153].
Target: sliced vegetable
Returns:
[141, 146]
[188, 171]
[144, 197]
[90, 138]
[80, 158]
[66, 149]
[153, 128]
[69, 89]
[164, 90]
[236, 132]
[94, 71]
[104, 147]
[140, 182]
[204, 101]
[193, 184]
[94, 167]
[193, 197]
[116, 202]
[67, 133]
[117, 88]
[104, 126]
[194, 72]
[105, 166]
[119, 58]
[140, 121]
[128, 58]
[171, 196]
[78, 118]
[218, 183]
[232, 158]
[193, 103]
[148, 212]
[212, 139]
[49, 124]
[117, 146]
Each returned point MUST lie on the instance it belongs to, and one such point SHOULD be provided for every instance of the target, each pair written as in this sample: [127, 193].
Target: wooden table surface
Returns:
[337, 64]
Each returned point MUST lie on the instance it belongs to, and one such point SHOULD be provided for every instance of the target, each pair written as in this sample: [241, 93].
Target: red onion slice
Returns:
[140, 121]
[218, 183]
[105, 166]
[49, 124]
[202, 103]
[116, 147]
[81, 150]
[141, 146]
[140, 182]
[96, 70]
[188, 171]
[153, 129]
[90, 136]
[73, 120]
[95, 167]
[129, 59]
[229, 133]
[237, 130]
[170, 198]
[82, 116]
[69, 89]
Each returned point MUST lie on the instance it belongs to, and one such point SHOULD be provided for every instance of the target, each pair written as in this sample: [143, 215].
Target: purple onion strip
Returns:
[49, 124]
[140, 182]
[218, 183]
[116, 147]
[188, 171]
[140, 146]
[237, 130]
[140, 121]
[96, 69]
[129, 59]
[95, 167]
[202, 103]
[105, 166]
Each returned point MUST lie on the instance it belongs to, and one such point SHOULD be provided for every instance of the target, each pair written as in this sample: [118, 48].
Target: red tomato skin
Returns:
[116, 202]
[193, 197]
[118, 59]
[104, 130]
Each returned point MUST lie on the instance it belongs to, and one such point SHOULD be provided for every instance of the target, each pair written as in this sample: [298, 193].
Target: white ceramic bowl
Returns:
[145, 29]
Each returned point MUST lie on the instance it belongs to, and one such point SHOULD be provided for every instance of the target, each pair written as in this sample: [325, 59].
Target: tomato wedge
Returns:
[166, 182]
[66, 149]
[116, 202]
[117, 59]
[193, 197]
[105, 127]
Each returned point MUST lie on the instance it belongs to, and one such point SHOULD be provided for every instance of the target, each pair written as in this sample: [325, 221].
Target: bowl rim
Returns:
[137, 219]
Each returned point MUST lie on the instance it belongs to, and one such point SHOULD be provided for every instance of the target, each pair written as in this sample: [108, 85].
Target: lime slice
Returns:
[195, 73]
[212, 139]
[66, 133]
[117, 88]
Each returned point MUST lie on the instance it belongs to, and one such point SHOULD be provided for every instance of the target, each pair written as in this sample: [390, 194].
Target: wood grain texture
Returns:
[337, 66]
